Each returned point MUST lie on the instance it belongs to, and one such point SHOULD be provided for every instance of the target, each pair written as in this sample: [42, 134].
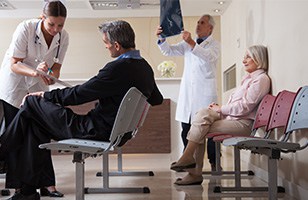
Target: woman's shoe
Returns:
[45, 192]
[197, 181]
[180, 168]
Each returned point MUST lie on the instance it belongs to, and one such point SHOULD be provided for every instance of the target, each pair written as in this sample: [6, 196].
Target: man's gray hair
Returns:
[211, 19]
[119, 31]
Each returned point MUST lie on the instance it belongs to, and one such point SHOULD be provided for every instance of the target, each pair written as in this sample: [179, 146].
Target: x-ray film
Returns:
[171, 19]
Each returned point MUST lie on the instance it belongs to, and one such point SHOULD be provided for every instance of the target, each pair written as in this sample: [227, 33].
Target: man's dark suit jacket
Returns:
[109, 87]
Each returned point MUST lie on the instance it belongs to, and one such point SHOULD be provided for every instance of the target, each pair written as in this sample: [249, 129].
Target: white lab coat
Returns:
[13, 87]
[198, 86]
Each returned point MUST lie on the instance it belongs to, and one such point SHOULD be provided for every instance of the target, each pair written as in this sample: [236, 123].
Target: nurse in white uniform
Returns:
[37, 44]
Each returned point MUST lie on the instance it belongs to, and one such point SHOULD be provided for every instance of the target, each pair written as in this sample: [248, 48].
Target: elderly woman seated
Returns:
[236, 117]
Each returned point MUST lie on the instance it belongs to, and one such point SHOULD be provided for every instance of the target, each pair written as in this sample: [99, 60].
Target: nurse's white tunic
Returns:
[198, 86]
[13, 87]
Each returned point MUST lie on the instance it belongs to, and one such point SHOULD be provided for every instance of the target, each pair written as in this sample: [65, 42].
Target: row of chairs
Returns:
[284, 114]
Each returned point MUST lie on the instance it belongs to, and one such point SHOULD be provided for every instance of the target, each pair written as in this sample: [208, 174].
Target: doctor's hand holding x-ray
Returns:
[38, 45]
[186, 36]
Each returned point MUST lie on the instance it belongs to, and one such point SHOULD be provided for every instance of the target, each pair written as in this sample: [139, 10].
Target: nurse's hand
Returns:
[40, 94]
[50, 81]
[43, 67]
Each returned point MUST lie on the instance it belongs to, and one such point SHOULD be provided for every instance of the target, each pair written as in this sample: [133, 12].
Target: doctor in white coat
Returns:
[198, 86]
[37, 45]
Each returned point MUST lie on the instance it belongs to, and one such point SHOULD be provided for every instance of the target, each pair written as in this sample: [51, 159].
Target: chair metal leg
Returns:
[219, 171]
[237, 178]
[107, 189]
[79, 161]
[272, 178]
[120, 171]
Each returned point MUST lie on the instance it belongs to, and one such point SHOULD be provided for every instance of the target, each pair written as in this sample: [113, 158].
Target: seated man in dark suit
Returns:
[43, 115]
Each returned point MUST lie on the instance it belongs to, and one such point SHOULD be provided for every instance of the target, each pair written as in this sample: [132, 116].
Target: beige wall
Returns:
[86, 53]
[281, 26]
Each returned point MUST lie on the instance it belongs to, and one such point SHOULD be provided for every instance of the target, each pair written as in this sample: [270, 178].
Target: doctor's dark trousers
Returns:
[37, 122]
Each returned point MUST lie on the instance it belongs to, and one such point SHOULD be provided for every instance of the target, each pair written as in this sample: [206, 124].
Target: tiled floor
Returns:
[161, 184]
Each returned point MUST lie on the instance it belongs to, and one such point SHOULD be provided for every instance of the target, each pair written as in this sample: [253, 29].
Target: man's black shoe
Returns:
[19, 196]
[45, 192]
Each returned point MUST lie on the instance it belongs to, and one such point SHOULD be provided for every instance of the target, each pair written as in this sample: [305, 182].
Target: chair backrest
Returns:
[281, 110]
[130, 116]
[264, 111]
[298, 118]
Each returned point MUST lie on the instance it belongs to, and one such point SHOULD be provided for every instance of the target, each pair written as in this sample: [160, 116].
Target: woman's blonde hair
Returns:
[259, 55]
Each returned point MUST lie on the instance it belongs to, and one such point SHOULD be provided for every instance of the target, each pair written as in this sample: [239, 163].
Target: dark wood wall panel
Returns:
[154, 135]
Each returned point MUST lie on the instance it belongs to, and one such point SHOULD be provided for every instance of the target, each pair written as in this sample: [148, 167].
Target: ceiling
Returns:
[83, 8]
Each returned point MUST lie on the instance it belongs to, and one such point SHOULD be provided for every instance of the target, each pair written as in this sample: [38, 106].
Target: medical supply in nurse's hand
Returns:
[50, 71]
[47, 75]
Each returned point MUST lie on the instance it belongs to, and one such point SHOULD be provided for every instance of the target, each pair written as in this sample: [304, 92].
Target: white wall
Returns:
[280, 25]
